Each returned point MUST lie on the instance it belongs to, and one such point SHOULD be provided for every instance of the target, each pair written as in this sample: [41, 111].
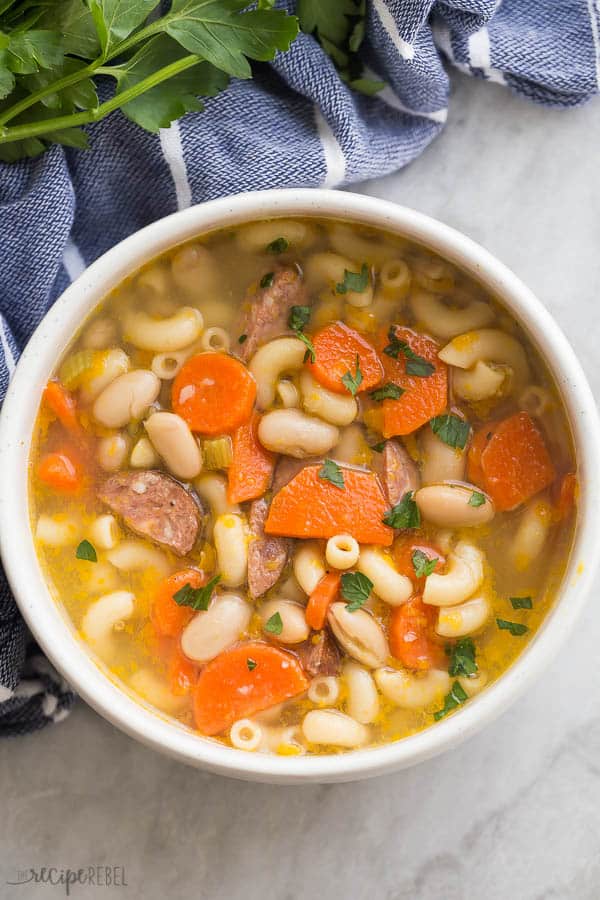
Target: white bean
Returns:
[294, 433]
[360, 635]
[294, 628]
[143, 455]
[174, 442]
[112, 451]
[309, 566]
[451, 505]
[104, 532]
[231, 543]
[342, 551]
[411, 691]
[331, 727]
[363, 699]
[439, 461]
[136, 556]
[108, 366]
[217, 628]
[126, 398]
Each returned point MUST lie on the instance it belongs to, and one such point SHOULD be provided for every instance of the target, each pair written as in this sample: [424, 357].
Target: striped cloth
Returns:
[295, 124]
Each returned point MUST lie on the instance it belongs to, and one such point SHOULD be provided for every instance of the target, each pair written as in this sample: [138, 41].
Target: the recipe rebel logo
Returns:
[68, 879]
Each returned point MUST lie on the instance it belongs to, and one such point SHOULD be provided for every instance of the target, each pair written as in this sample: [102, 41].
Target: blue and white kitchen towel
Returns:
[295, 124]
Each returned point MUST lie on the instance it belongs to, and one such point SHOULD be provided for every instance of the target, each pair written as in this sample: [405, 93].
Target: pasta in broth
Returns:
[303, 486]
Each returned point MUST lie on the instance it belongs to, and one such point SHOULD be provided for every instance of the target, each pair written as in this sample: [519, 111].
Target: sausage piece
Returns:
[267, 555]
[397, 472]
[319, 657]
[155, 506]
[267, 312]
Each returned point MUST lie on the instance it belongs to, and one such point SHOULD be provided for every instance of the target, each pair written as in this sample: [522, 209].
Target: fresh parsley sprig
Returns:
[196, 598]
[356, 589]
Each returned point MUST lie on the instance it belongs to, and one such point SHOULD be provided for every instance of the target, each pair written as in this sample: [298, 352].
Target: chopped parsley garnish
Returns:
[354, 281]
[476, 499]
[274, 625]
[452, 430]
[387, 391]
[353, 382]
[242, 338]
[279, 245]
[456, 696]
[405, 514]
[330, 471]
[462, 657]
[310, 347]
[380, 447]
[86, 551]
[356, 588]
[267, 280]
[299, 318]
[515, 628]
[521, 602]
[422, 564]
[415, 364]
[251, 663]
[197, 598]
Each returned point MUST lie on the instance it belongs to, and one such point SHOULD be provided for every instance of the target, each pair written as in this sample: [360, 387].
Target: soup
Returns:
[303, 486]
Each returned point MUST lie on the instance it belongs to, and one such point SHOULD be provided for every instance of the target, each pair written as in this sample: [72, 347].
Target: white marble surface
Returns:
[513, 814]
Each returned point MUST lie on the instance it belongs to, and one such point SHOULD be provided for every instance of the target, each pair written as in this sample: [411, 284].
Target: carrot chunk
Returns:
[182, 673]
[169, 619]
[251, 469]
[339, 350]
[61, 470]
[61, 402]
[564, 495]
[411, 635]
[242, 681]
[425, 395]
[403, 553]
[321, 599]
[214, 393]
[311, 507]
[510, 461]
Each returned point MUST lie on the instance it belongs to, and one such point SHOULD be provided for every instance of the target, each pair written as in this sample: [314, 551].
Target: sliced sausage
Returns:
[266, 312]
[320, 654]
[397, 472]
[155, 506]
[267, 555]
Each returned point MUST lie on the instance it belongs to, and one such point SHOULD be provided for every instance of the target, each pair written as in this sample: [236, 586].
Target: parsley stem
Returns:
[46, 126]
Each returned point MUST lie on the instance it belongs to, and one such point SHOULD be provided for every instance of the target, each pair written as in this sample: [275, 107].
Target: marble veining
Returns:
[512, 815]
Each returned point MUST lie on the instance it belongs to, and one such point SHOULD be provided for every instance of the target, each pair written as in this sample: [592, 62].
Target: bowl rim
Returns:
[49, 623]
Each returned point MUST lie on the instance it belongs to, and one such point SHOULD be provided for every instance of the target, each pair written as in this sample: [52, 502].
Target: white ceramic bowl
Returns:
[49, 623]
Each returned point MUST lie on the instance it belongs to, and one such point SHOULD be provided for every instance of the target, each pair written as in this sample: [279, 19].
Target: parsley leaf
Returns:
[299, 318]
[354, 281]
[356, 588]
[274, 625]
[515, 628]
[405, 514]
[462, 657]
[279, 245]
[521, 602]
[353, 382]
[242, 338]
[330, 471]
[415, 364]
[267, 280]
[251, 663]
[380, 447]
[422, 564]
[86, 551]
[197, 598]
[388, 391]
[476, 499]
[452, 430]
[310, 347]
[456, 696]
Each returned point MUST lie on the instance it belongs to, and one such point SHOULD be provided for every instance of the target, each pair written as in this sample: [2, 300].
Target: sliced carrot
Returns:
[61, 402]
[411, 635]
[61, 471]
[182, 673]
[321, 599]
[338, 350]
[311, 507]
[169, 619]
[510, 462]
[214, 393]
[251, 469]
[564, 494]
[424, 396]
[402, 553]
[242, 681]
